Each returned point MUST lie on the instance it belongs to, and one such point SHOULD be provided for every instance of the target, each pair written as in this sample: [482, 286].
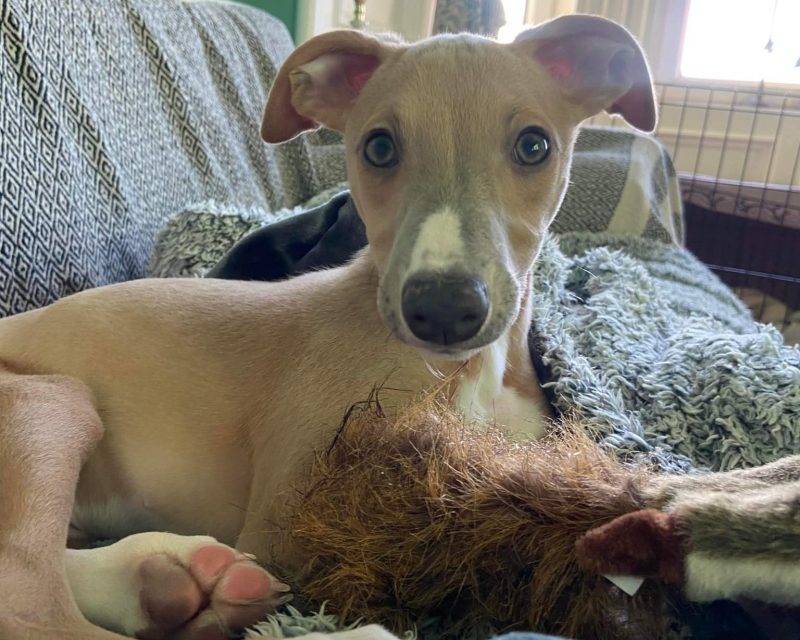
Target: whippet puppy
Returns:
[156, 410]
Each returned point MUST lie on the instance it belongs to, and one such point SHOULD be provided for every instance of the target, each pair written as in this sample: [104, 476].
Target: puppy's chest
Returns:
[481, 395]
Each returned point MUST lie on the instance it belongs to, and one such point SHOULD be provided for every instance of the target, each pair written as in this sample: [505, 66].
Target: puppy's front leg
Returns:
[156, 585]
[48, 427]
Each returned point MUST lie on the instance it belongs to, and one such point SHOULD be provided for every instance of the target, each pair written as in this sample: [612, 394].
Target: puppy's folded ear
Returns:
[597, 64]
[319, 83]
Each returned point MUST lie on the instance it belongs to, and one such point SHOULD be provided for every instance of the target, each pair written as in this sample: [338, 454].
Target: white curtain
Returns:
[655, 23]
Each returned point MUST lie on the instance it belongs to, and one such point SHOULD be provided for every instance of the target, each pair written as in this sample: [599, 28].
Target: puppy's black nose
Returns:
[444, 309]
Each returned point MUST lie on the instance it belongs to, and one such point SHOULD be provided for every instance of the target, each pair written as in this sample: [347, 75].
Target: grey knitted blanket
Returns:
[114, 114]
[652, 350]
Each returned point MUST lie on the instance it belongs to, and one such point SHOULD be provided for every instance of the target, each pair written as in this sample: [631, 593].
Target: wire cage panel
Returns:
[737, 153]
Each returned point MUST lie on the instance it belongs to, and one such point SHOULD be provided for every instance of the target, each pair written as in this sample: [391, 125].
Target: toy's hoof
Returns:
[646, 543]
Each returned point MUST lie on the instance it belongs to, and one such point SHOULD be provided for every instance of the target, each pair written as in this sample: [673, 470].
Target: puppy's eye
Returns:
[380, 150]
[532, 147]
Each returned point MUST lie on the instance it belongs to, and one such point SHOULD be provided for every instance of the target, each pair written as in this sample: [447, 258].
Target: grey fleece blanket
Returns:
[651, 349]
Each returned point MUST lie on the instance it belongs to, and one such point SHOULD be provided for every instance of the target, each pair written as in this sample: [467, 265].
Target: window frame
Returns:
[667, 68]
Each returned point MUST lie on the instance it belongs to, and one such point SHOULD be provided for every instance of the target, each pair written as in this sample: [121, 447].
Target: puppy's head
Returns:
[458, 155]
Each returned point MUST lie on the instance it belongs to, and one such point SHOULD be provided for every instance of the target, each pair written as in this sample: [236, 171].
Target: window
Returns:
[515, 20]
[742, 40]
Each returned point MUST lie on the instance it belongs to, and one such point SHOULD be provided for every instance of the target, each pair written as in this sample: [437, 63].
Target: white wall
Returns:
[412, 19]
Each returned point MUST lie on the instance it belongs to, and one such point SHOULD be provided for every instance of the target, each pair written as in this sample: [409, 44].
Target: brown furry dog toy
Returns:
[425, 518]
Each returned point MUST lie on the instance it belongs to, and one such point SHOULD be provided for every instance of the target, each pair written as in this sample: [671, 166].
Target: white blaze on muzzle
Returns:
[439, 245]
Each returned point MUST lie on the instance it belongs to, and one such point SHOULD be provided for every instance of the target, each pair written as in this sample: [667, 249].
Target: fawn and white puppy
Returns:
[191, 406]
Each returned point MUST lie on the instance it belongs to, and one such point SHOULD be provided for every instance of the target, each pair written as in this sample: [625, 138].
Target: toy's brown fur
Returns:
[423, 516]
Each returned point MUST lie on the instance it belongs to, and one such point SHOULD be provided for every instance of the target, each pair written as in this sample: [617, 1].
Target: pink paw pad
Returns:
[218, 592]
[244, 583]
[207, 564]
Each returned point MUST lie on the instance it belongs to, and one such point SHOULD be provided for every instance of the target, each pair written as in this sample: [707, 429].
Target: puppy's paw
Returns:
[161, 586]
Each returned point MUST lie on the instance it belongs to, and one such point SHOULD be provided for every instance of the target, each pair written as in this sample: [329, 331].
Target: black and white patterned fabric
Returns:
[622, 181]
[114, 115]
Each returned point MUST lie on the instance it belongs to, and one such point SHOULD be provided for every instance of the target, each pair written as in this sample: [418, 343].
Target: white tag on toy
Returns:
[629, 584]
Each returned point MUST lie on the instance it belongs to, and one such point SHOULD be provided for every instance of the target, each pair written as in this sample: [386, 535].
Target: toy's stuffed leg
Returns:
[724, 535]
[48, 426]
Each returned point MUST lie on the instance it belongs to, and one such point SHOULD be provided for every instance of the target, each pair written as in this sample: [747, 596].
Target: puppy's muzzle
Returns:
[444, 309]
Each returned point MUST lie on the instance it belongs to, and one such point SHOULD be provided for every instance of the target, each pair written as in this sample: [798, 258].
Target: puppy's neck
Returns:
[499, 385]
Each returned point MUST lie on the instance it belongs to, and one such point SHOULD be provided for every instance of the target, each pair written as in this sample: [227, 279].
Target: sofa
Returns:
[129, 146]
[116, 115]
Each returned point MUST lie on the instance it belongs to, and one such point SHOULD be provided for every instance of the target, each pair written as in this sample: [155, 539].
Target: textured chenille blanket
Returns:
[641, 341]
